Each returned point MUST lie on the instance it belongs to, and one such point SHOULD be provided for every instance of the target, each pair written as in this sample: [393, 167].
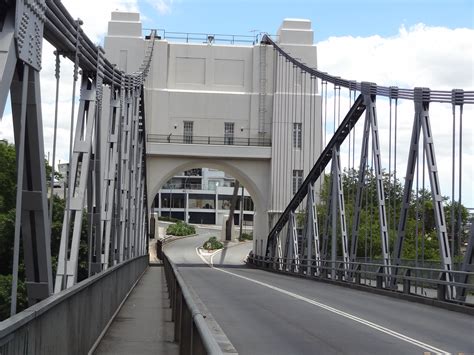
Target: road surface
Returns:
[267, 313]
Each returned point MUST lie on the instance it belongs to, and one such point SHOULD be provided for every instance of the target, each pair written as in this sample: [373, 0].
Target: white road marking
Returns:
[365, 322]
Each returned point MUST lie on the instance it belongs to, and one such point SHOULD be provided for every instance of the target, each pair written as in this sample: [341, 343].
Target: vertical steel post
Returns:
[360, 186]
[338, 195]
[109, 180]
[66, 274]
[312, 233]
[31, 220]
[369, 91]
[422, 121]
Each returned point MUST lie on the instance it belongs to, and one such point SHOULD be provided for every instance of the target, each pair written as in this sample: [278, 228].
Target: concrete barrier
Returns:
[71, 321]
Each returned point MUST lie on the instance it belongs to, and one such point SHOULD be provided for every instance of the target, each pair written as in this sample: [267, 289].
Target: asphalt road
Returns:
[265, 313]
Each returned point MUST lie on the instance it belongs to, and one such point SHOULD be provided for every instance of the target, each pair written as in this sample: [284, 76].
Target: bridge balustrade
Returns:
[71, 321]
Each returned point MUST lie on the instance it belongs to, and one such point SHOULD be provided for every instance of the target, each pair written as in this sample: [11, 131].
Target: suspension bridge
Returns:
[327, 271]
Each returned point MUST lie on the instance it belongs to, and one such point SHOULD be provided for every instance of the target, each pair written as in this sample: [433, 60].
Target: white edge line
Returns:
[330, 309]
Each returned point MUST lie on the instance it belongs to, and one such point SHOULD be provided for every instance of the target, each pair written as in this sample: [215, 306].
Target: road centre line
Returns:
[365, 322]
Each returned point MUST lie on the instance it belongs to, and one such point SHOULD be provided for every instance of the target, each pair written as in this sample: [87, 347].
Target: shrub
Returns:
[245, 236]
[180, 229]
[212, 244]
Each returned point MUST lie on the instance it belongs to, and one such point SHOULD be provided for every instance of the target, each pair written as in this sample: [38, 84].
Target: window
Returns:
[188, 132]
[229, 133]
[297, 180]
[296, 135]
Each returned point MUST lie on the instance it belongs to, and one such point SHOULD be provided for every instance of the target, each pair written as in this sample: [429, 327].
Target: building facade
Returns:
[203, 196]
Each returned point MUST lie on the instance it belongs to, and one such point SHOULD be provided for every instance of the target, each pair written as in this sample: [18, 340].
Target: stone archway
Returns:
[254, 174]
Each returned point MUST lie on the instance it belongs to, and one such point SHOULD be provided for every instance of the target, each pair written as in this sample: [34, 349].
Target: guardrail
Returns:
[416, 281]
[71, 321]
[190, 328]
[209, 140]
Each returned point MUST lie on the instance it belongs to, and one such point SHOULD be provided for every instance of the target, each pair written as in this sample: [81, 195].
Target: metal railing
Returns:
[209, 38]
[190, 329]
[184, 186]
[424, 282]
[209, 140]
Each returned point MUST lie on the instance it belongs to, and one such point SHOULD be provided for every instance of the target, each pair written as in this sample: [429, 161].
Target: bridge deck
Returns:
[143, 325]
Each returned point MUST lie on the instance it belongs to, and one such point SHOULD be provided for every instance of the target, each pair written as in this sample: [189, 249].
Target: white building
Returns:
[203, 196]
[219, 106]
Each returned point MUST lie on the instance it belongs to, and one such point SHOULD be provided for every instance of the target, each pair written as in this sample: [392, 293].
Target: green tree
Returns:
[7, 230]
[7, 177]
[421, 223]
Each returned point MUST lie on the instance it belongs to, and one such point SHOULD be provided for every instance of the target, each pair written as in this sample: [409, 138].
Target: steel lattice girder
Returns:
[291, 251]
[32, 210]
[422, 123]
[109, 183]
[468, 264]
[311, 233]
[66, 274]
[338, 201]
[371, 125]
[8, 57]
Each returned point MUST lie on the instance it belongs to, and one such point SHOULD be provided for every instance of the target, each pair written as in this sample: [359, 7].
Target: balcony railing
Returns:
[238, 141]
[182, 186]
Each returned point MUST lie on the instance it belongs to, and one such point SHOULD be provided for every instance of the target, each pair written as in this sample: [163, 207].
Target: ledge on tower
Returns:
[125, 24]
[295, 31]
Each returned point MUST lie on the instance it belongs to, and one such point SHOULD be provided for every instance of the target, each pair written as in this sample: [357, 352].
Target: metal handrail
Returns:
[209, 140]
[187, 316]
[353, 272]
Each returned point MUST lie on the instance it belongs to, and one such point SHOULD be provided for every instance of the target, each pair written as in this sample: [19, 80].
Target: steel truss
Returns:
[311, 234]
[371, 126]
[23, 24]
[317, 261]
[20, 63]
[422, 123]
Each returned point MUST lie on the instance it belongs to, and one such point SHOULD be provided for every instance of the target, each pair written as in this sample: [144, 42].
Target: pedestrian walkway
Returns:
[143, 325]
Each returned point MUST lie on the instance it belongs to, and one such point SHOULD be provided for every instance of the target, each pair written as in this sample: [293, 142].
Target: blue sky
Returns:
[330, 18]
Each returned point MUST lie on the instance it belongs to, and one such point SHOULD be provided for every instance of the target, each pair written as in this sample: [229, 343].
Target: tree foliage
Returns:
[421, 240]
[7, 230]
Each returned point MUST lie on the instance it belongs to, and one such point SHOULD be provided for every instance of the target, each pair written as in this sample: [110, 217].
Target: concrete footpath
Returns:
[143, 325]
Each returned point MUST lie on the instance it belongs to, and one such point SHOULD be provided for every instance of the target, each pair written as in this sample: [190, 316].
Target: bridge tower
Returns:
[198, 89]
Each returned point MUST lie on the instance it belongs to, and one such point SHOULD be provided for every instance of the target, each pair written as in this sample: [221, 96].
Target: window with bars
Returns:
[188, 132]
[229, 133]
[297, 180]
[297, 135]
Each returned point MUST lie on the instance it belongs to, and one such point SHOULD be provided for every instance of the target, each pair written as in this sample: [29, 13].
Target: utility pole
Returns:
[241, 212]
[233, 202]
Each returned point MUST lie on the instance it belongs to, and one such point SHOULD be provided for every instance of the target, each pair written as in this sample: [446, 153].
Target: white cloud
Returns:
[95, 14]
[163, 7]
[435, 57]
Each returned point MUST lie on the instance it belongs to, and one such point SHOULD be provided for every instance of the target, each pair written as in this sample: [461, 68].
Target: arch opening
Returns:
[253, 175]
